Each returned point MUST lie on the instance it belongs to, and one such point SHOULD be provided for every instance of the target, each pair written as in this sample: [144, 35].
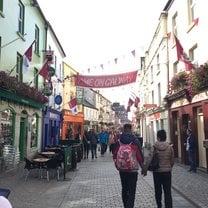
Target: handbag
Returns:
[154, 164]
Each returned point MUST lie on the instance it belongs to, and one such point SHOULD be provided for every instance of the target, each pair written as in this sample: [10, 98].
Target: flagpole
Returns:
[12, 41]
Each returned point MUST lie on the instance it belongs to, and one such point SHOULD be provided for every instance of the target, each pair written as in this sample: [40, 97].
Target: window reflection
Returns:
[6, 135]
[34, 125]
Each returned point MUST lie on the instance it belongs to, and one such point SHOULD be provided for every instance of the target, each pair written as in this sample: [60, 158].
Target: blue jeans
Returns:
[192, 161]
[128, 182]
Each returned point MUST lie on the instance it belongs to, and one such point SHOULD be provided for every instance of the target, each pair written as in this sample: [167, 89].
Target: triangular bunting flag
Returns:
[133, 53]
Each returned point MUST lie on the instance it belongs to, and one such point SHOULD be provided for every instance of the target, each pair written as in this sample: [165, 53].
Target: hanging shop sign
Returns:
[58, 99]
[106, 81]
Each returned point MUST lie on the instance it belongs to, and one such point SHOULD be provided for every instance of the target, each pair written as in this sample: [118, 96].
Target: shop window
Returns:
[34, 130]
[6, 129]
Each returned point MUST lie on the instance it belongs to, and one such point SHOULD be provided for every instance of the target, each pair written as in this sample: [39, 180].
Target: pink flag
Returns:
[133, 53]
[27, 58]
[182, 55]
[136, 102]
[73, 105]
[44, 70]
[130, 103]
[196, 21]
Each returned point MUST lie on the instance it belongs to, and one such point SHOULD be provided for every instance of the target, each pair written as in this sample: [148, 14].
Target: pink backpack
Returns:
[126, 158]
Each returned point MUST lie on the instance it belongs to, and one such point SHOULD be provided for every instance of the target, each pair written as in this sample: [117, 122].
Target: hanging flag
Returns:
[73, 106]
[133, 53]
[182, 55]
[101, 65]
[115, 60]
[27, 58]
[196, 21]
[44, 72]
[136, 102]
[130, 103]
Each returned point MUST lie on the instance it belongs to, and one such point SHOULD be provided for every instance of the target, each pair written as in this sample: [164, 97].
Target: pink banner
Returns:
[106, 80]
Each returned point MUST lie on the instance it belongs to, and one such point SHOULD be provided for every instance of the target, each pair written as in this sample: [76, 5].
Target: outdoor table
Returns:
[48, 154]
[41, 162]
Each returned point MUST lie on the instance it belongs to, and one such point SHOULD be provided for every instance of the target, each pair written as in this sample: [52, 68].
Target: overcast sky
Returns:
[96, 32]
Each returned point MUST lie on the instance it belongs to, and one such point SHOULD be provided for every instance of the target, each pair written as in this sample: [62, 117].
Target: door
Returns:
[21, 138]
[200, 130]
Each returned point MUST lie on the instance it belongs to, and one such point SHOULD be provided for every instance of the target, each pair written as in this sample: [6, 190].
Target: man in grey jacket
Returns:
[162, 176]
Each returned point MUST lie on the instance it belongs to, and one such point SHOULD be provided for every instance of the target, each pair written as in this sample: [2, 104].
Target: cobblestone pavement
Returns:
[96, 183]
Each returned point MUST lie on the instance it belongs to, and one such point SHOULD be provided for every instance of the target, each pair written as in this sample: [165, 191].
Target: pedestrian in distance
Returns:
[128, 155]
[103, 140]
[86, 143]
[191, 150]
[162, 176]
[93, 137]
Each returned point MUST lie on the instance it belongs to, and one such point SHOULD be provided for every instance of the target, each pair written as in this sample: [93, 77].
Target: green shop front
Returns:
[20, 126]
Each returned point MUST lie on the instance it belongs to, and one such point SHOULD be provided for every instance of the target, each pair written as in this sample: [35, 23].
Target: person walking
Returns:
[128, 177]
[86, 143]
[103, 140]
[161, 176]
[93, 137]
[191, 150]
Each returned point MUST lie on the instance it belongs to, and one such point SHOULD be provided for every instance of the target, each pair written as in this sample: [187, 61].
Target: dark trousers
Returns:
[162, 180]
[103, 147]
[94, 150]
[86, 150]
[192, 161]
[128, 182]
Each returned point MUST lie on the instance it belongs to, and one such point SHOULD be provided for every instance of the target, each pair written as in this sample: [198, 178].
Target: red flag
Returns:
[182, 55]
[27, 58]
[45, 70]
[73, 105]
[136, 102]
[196, 21]
[130, 103]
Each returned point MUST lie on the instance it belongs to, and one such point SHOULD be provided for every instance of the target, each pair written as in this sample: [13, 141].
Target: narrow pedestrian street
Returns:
[96, 184]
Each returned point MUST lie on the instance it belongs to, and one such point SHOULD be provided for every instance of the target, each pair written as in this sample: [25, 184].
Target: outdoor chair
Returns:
[29, 165]
[51, 165]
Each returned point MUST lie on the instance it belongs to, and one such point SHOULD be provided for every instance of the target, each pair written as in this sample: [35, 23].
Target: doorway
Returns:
[201, 136]
[23, 136]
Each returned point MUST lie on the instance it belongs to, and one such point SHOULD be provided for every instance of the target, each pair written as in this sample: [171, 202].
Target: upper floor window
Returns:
[1, 5]
[175, 24]
[21, 18]
[193, 53]
[151, 73]
[175, 68]
[159, 93]
[158, 63]
[36, 78]
[19, 67]
[192, 11]
[37, 39]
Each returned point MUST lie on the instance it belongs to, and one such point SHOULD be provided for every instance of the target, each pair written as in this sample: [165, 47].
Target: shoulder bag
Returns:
[154, 164]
